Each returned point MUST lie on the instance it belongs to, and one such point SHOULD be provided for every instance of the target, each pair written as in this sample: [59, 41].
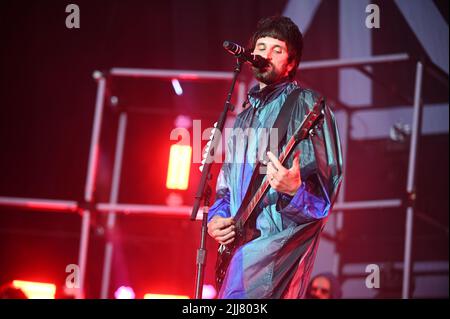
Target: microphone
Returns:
[256, 60]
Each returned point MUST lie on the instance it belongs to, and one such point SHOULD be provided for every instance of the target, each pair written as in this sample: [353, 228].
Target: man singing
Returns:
[278, 263]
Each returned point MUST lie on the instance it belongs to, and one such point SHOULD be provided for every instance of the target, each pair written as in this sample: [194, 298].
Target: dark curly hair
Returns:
[281, 28]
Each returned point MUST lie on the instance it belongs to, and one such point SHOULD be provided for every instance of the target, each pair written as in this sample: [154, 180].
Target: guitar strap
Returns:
[280, 125]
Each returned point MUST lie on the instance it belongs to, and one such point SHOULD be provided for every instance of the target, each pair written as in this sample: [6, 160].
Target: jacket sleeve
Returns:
[310, 202]
[321, 171]
[221, 206]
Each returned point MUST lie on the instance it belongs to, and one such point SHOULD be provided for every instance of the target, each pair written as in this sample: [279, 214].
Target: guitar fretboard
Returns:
[265, 185]
[302, 133]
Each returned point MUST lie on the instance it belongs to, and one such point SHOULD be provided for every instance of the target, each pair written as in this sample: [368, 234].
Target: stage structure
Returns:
[112, 208]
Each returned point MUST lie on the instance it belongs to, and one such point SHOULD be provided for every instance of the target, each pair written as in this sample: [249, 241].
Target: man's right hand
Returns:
[222, 229]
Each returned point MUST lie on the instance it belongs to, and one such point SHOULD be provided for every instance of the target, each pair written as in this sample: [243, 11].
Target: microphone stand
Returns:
[204, 189]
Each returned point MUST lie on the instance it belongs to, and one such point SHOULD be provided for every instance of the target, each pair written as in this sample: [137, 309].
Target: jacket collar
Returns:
[269, 92]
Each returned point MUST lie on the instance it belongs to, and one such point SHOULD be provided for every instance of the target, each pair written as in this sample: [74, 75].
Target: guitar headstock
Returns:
[313, 119]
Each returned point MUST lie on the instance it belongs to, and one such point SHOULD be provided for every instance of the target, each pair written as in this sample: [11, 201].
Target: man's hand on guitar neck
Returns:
[281, 179]
[222, 229]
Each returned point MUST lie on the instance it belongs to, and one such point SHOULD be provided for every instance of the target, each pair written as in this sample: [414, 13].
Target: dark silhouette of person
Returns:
[324, 286]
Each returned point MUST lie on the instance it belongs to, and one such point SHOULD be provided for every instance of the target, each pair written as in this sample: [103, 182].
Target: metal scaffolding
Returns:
[113, 207]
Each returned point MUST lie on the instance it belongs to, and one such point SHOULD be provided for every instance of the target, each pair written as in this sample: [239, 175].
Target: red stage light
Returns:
[36, 290]
[179, 167]
[209, 292]
[124, 292]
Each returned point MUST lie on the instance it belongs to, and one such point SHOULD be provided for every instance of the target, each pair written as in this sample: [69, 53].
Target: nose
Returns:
[268, 55]
[263, 54]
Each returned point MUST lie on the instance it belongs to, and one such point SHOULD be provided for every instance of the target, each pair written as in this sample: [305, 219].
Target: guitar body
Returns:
[244, 234]
[224, 256]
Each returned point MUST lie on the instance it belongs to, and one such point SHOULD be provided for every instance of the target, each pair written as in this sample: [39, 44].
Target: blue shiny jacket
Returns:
[278, 264]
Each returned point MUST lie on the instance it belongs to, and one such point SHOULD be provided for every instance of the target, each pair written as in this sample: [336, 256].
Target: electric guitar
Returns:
[244, 225]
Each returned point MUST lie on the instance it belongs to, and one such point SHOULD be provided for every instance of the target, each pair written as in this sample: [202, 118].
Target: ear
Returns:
[290, 66]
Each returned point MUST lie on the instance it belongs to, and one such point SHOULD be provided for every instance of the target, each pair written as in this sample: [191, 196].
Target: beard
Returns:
[267, 75]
